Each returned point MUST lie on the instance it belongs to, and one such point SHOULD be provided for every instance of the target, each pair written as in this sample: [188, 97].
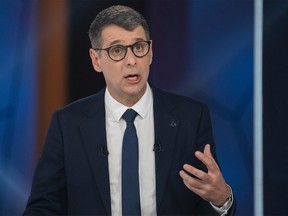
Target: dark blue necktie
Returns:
[130, 176]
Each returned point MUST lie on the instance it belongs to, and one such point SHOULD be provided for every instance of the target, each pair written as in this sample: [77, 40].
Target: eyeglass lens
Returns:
[118, 52]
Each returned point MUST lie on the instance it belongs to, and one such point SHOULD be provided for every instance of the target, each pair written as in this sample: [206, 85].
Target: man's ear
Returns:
[94, 55]
[151, 53]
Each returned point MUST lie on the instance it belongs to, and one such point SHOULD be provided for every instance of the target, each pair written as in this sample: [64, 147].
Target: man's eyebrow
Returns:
[117, 42]
[140, 39]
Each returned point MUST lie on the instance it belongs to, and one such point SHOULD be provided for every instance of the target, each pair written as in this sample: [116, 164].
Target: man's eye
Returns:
[116, 50]
[138, 47]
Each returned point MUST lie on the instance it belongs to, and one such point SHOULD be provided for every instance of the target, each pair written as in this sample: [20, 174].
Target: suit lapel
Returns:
[93, 134]
[166, 127]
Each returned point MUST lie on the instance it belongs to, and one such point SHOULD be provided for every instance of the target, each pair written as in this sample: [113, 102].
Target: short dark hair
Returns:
[119, 15]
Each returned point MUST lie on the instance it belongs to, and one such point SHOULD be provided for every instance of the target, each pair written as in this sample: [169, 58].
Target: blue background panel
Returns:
[18, 95]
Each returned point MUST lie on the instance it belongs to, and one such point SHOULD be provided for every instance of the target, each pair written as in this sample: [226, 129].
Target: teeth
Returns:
[132, 77]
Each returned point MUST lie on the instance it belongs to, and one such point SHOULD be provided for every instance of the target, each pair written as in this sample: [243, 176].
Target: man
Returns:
[85, 168]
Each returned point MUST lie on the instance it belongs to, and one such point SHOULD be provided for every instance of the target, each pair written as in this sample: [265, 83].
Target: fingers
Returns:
[210, 186]
[207, 158]
[199, 174]
[197, 185]
[194, 184]
[207, 150]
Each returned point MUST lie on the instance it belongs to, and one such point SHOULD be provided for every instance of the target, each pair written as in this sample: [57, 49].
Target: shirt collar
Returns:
[117, 109]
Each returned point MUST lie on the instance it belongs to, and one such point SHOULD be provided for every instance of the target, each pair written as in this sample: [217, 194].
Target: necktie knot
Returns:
[129, 115]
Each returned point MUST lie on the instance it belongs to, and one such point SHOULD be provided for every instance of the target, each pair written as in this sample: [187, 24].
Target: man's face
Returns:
[126, 80]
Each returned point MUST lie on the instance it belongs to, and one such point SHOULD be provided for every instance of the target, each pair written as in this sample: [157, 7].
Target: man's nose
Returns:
[130, 57]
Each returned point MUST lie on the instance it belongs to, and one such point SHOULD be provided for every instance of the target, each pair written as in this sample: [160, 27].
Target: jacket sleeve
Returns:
[205, 136]
[48, 194]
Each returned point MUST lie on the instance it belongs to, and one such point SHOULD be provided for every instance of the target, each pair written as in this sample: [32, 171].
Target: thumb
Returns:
[207, 151]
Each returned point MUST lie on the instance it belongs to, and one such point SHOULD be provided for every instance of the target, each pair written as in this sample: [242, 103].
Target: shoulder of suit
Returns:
[173, 97]
[84, 105]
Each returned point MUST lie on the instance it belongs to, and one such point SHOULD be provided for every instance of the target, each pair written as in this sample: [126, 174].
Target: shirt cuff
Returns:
[225, 208]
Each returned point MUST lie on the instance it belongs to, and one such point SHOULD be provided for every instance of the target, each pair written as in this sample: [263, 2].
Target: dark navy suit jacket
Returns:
[72, 175]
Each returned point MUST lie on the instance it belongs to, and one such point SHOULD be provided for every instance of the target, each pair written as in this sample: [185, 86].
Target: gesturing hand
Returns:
[211, 186]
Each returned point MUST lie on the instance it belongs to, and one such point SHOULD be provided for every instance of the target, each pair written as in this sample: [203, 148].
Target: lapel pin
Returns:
[173, 124]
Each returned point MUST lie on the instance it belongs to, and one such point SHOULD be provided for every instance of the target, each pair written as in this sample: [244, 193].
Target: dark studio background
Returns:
[275, 106]
[202, 48]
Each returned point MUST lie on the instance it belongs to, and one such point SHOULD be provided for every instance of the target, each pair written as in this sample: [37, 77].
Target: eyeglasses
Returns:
[118, 52]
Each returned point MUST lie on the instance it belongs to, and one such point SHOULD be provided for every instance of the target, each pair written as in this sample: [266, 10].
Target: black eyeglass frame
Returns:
[126, 49]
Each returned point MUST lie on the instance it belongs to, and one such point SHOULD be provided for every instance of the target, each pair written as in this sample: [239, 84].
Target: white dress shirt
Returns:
[115, 127]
